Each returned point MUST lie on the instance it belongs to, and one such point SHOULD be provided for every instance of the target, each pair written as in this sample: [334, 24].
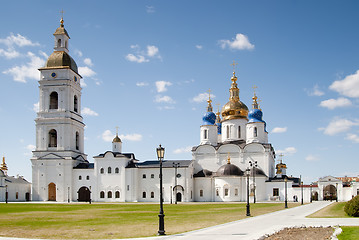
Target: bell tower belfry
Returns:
[59, 125]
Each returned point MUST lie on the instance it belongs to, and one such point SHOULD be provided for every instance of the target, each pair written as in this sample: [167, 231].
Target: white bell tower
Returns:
[59, 125]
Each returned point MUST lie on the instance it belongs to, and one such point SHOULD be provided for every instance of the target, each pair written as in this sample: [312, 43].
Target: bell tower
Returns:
[59, 124]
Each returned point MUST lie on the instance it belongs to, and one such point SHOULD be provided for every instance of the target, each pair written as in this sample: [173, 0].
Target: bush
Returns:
[352, 207]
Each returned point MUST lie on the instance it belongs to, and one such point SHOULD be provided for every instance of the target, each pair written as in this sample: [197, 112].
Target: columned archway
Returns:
[52, 191]
[329, 192]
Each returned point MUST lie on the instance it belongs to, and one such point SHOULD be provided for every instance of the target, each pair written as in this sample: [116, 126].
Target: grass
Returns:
[335, 210]
[103, 221]
[349, 233]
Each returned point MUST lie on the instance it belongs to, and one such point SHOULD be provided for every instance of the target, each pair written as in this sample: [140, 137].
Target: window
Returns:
[109, 170]
[128, 187]
[152, 195]
[152, 175]
[144, 195]
[17, 195]
[275, 192]
[75, 103]
[77, 140]
[52, 138]
[109, 194]
[143, 175]
[80, 177]
[87, 177]
[236, 192]
[205, 134]
[255, 133]
[227, 131]
[117, 170]
[59, 43]
[102, 171]
[226, 191]
[102, 194]
[54, 100]
[217, 192]
[201, 193]
[117, 194]
[239, 131]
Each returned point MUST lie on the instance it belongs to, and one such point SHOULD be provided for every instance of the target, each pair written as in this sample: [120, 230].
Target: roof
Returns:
[18, 180]
[117, 154]
[229, 170]
[165, 164]
[85, 166]
[281, 179]
[60, 59]
[241, 143]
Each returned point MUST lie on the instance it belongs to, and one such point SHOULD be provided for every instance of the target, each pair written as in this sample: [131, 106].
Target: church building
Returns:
[233, 152]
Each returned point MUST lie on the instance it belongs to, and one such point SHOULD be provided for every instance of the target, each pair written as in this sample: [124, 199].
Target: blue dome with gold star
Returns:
[255, 115]
[209, 118]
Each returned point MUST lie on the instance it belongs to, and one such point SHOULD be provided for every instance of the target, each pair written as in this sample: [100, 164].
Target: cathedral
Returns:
[233, 155]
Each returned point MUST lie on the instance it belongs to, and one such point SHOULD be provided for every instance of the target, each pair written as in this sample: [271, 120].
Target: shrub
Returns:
[352, 207]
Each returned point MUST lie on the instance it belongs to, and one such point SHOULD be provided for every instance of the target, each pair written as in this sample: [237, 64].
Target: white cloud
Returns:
[334, 103]
[9, 54]
[28, 70]
[141, 84]
[18, 40]
[182, 150]
[88, 62]
[202, 97]
[31, 147]
[199, 47]
[87, 111]
[86, 72]
[78, 52]
[139, 58]
[164, 99]
[315, 91]
[311, 158]
[131, 137]
[152, 51]
[349, 86]
[338, 125]
[36, 107]
[353, 137]
[150, 9]
[108, 136]
[83, 83]
[241, 42]
[279, 129]
[162, 86]
[288, 151]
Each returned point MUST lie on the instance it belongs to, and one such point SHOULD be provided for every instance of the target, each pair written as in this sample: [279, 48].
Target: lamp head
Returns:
[160, 152]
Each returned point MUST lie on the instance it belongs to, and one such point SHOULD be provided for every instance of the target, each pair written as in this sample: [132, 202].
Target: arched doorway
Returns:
[315, 196]
[27, 196]
[52, 191]
[84, 194]
[330, 193]
[178, 192]
[179, 197]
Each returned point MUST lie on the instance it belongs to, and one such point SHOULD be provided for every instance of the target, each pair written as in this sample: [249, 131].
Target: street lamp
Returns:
[254, 165]
[336, 192]
[302, 192]
[248, 172]
[175, 165]
[6, 194]
[311, 193]
[286, 196]
[161, 229]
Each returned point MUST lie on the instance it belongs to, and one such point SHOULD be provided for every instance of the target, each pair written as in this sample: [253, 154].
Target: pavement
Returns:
[254, 228]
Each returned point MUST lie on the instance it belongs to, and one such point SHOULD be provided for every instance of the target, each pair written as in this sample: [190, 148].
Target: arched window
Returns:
[109, 194]
[75, 103]
[52, 138]
[54, 100]
[205, 134]
[152, 195]
[226, 192]
[228, 132]
[77, 141]
[65, 44]
[143, 194]
[102, 194]
[255, 132]
[239, 131]
[59, 43]
[102, 171]
[117, 194]
[201, 193]
[109, 170]
[80, 177]
[117, 170]
[87, 177]
[236, 192]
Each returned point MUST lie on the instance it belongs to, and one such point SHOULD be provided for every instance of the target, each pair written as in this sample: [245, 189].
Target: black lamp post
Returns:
[336, 193]
[254, 165]
[286, 196]
[248, 172]
[175, 165]
[161, 228]
[6, 194]
[302, 192]
[311, 193]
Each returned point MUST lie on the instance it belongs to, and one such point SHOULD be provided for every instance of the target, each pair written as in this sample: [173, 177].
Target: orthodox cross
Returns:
[234, 65]
[218, 104]
[62, 13]
[209, 94]
[116, 131]
[254, 89]
[281, 157]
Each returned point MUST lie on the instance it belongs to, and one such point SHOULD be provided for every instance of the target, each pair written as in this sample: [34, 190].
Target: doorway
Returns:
[52, 191]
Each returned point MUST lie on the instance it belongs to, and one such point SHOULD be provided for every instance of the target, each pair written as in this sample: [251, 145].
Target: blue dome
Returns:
[209, 118]
[255, 115]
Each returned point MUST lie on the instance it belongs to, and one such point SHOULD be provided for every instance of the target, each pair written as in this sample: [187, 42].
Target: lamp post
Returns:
[311, 192]
[175, 165]
[68, 194]
[6, 194]
[301, 192]
[248, 172]
[161, 228]
[254, 165]
[336, 192]
[286, 196]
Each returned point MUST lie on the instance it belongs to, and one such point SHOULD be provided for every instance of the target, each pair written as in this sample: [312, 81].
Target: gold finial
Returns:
[228, 159]
[209, 108]
[62, 18]
[254, 89]
[3, 165]
[255, 103]
[281, 157]
[218, 105]
[234, 66]
[117, 130]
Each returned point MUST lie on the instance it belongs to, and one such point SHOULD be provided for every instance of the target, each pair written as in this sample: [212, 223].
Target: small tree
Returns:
[352, 207]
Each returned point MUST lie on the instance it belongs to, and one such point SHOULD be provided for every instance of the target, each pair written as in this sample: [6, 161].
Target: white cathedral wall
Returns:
[203, 189]
[261, 136]
[89, 182]
[233, 133]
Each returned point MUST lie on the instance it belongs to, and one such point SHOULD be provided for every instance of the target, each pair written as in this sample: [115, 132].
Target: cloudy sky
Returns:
[147, 67]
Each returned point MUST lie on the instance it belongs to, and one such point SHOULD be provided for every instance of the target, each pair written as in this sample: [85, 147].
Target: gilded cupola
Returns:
[234, 109]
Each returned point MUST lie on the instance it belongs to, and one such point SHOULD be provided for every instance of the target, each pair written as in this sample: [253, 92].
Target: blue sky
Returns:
[147, 67]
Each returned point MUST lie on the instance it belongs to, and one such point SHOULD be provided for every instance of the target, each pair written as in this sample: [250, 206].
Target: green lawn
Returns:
[101, 221]
[349, 233]
[335, 210]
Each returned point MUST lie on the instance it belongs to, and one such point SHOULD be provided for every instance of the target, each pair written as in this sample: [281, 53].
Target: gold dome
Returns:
[61, 59]
[116, 139]
[234, 109]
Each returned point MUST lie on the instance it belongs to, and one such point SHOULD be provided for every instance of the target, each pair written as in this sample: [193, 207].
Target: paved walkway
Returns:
[256, 227]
